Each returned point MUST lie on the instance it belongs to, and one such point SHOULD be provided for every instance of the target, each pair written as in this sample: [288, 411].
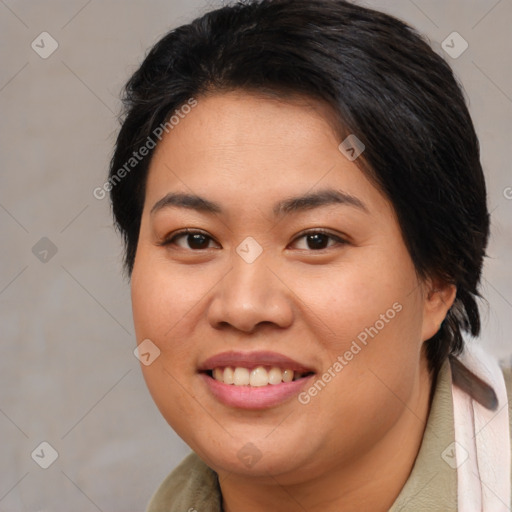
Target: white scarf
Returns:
[482, 440]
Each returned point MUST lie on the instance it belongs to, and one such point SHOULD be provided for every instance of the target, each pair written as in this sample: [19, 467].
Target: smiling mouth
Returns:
[258, 376]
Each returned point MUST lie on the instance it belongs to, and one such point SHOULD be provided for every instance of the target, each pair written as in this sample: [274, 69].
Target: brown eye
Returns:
[187, 239]
[318, 240]
[197, 241]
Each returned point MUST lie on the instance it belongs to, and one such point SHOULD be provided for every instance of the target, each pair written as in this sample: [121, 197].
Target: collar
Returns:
[432, 484]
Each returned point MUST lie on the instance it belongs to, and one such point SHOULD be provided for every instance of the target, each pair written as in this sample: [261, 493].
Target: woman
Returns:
[299, 189]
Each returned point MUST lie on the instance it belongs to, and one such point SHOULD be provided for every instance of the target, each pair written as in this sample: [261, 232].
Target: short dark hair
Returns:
[384, 83]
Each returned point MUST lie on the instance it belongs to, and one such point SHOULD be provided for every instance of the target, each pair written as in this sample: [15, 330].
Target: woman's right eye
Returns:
[189, 239]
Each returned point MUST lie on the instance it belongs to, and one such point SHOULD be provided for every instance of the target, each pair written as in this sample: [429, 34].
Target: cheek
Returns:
[374, 326]
[163, 305]
[371, 316]
[162, 298]
[355, 299]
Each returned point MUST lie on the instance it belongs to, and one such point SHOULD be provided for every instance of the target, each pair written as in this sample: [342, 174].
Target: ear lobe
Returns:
[439, 299]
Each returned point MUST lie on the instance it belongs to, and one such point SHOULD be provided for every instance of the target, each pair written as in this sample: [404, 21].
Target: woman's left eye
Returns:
[318, 240]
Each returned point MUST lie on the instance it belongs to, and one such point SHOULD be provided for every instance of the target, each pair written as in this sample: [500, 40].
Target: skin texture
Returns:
[353, 445]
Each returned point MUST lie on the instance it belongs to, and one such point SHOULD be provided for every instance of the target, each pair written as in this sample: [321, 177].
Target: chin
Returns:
[254, 456]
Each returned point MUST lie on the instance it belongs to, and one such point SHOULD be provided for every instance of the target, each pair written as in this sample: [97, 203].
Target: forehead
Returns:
[235, 120]
[250, 148]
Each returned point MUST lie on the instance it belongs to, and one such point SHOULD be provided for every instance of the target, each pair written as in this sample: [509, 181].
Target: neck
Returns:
[372, 482]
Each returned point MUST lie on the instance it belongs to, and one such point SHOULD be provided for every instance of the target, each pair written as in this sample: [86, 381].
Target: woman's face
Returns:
[295, 263]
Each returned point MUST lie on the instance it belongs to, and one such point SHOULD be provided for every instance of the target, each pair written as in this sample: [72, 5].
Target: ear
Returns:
[438, 299]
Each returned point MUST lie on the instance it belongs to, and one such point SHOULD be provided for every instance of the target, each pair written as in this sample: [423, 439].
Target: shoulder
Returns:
[507, 374]
[191, 485]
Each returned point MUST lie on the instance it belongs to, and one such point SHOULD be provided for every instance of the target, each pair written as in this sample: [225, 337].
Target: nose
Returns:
[250, 295]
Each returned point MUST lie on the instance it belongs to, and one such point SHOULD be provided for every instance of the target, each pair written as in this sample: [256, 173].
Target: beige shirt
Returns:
[431, 486]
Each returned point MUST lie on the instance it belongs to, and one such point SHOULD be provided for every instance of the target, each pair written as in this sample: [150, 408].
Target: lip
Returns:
[248, 397]
[251, 360]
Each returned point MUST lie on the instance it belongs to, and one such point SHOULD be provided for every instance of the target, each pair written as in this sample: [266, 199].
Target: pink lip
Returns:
[251, 360]
[248, 397]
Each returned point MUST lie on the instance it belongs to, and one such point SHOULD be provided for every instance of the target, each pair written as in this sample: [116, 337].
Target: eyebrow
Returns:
[294, 204]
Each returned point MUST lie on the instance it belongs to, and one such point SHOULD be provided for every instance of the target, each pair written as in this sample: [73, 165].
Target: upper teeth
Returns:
[256, 377]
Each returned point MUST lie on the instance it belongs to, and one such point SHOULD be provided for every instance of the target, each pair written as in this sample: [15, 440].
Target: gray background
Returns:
[68, 373]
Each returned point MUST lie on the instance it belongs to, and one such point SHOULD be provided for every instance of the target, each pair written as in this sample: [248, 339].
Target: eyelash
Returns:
[340, 241]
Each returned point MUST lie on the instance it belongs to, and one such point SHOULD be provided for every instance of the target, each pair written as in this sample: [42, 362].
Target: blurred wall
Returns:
[68, 374]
